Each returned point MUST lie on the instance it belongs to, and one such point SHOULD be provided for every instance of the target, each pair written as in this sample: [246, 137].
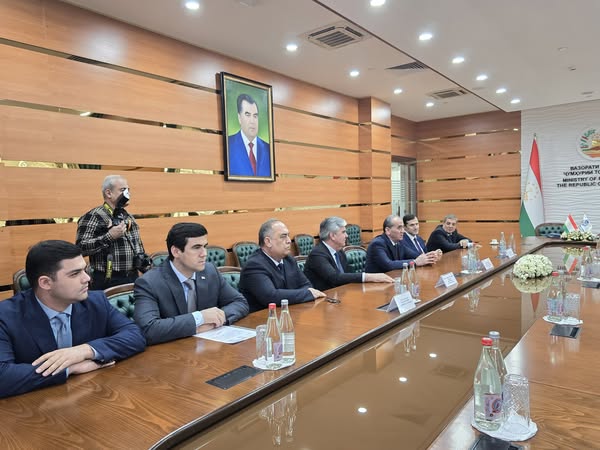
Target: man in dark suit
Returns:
[326, 266]
[184, 295]
[271, 274]
[414, 245]
[57, 328]
[386, 252]
[248, 154]
[446, 237]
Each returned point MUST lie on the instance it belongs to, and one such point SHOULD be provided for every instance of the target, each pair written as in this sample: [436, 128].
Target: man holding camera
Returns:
[110, 236]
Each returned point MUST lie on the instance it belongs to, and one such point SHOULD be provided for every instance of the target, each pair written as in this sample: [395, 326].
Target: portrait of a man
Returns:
[248, 154]
[247, 129]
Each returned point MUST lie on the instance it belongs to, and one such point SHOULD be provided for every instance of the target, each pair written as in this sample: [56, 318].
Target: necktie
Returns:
[252, 158]
[396, 253]
[338, 262]
[62, 330]
[191, 295]
[416, 241]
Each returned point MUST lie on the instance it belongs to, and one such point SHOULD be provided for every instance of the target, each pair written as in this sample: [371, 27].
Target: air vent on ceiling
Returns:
[409, 66]
[448, 93]
[336, 35]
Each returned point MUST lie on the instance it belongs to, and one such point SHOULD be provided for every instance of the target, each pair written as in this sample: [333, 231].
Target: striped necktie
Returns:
[191, 295]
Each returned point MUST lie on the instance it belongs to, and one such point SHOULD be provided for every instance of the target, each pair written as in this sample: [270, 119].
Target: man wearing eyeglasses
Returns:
[110, 236]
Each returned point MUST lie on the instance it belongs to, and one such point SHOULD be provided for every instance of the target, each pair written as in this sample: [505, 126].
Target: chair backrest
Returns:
[158, 258]
[121, 297]
[20, 281]
[301, 261]
[304, 243]
[353, 232]
[356, 257]
[216, 255]
[550, 229]
[243, 250]
[231, 275]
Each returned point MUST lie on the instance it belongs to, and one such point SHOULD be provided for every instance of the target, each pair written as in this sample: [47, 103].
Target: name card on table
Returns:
[446, 280]
[487, 264]
[402, 302]
[510, 253]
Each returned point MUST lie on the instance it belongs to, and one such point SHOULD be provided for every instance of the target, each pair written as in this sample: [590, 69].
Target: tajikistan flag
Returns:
[570, 262]
[532, 203]
[570, 224]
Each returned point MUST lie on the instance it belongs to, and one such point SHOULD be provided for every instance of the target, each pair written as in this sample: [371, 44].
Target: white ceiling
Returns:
[515, 42]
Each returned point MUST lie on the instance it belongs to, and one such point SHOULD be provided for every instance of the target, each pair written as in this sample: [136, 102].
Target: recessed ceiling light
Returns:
[482, 77]
[192, 5]
[86, 113]
[433, 355]
[562, 49]
[377, 3]
[458, 60]
[500, 90]
[403, 379]
[362, 410]
[397, 91]
[291, 47]
[354, 73]
[514, 101]
[425, 36]
[515, 129]
[429, 104]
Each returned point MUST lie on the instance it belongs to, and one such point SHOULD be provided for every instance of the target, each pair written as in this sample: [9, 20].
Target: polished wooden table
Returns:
[161, 397]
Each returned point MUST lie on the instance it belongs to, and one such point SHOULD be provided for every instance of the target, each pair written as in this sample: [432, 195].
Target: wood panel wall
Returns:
[53, 161]
[469, 166]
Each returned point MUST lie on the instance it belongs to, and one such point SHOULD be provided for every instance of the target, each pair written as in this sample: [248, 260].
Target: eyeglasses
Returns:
[333, 300]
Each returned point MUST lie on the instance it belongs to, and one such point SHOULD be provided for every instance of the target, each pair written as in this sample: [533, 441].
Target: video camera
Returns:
[119, 213]
[142, 262]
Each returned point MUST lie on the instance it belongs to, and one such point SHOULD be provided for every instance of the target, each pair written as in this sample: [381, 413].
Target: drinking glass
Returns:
[516, 404]
[261, 351]
[572, 307]
[399, 288]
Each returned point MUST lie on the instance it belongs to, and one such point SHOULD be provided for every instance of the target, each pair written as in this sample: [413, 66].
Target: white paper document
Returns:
[228, 334]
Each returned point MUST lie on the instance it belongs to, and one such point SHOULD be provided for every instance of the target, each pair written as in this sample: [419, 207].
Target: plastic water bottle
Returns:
[288, 336]
[472, 257]
[511, 243]
[487, 389]
[413, 279]
[497, 355]
[502, 246]
[273, 340]
[587, 267]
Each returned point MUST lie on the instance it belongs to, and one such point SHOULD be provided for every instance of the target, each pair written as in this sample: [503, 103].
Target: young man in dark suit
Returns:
[57, 328]
[271, 274]
[185, 295]
[326, 266]
[414, 245]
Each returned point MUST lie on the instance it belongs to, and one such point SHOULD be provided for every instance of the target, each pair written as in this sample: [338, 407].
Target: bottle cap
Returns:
[555, 273]
[284, 302]
[272, 306]
[412, 263]
[494, 334]
[486, 341]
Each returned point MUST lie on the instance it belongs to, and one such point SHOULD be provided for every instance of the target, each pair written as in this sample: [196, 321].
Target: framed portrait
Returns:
[247, 129]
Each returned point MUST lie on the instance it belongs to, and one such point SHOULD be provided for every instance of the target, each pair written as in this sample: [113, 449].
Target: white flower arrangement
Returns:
[578, 235]
[532, 266]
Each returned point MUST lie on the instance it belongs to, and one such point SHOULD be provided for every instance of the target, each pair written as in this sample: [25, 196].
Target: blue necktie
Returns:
[62, 330]
[416, 241]
[338, 262]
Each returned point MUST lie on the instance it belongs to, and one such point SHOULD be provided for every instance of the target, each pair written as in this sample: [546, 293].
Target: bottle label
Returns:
[289, 342]
[493, 406]
[277, 351]
[416, 290]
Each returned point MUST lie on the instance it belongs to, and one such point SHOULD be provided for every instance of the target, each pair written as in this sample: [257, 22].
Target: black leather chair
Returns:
[158, 258]
[242, 251]
[549, 229]
[216, 255]
[353, 232]
[304, 243]
[356, 257]
[20, 281]
[121, 297]
[231, 275]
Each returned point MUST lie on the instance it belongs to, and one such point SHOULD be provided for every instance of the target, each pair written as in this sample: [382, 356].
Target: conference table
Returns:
[363, 377]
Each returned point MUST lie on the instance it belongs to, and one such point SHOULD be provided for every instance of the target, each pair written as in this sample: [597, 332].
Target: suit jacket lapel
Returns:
[38, 325]
[175, 287]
